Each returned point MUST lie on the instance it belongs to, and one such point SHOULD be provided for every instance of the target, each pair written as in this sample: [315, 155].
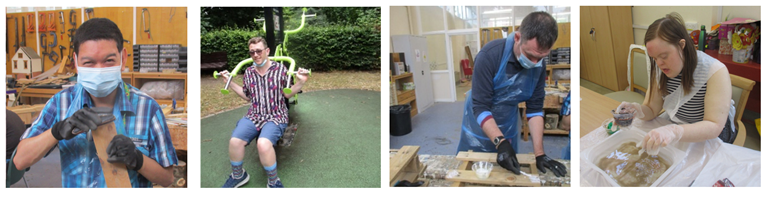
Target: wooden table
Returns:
[595, 108]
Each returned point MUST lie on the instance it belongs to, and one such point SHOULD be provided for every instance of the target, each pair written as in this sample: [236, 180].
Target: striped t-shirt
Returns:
[693, 110]
[266, 94]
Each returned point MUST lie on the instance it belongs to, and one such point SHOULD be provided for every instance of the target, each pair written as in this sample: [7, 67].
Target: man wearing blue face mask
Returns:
[507, 72]
[267, 118]
[143, 142]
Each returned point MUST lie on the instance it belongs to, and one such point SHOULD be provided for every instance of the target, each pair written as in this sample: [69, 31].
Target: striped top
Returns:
[693, 110]
[144, 124]
[266, 94]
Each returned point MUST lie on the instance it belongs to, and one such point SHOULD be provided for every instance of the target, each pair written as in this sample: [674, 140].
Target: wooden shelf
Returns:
[557, 66]
[396, 77]
[556, 132]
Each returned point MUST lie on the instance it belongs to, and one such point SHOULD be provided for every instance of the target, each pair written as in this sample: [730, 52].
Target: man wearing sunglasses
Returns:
[509, 71]
[143, 142]
[267, 118]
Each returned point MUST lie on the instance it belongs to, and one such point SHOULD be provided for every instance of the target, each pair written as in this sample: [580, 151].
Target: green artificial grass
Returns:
[337, 143]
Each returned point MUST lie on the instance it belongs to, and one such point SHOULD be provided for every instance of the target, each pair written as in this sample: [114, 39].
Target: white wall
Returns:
[399, 22]
[703, 15]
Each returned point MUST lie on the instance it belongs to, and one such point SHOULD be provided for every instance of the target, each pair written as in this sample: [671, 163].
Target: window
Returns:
[25, 65]
[15, 64]
[21, 55]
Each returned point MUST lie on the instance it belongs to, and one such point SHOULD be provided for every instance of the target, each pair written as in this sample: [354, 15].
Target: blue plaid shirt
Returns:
[138, 116]
[566, 109]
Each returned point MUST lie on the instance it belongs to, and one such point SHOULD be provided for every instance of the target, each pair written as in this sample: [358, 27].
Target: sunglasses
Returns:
[255, 51]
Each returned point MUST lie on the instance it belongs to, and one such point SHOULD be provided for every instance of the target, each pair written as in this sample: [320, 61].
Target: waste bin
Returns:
[399, 120]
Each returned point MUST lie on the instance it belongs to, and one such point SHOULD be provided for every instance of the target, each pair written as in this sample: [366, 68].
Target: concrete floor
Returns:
[753, 137]
[437, 130]
[45, 173]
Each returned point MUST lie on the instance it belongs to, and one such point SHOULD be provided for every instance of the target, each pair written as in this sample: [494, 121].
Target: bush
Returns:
[231, 40]
[336, 48]
[318, 48]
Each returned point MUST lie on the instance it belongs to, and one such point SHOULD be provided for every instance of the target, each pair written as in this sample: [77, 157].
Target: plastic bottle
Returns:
[702, 38]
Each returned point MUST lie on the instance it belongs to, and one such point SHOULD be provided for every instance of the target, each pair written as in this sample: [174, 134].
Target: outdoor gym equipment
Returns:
[291, 72]
[281, 50]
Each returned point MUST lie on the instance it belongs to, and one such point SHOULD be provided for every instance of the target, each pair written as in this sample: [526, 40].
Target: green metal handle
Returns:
[290, 72]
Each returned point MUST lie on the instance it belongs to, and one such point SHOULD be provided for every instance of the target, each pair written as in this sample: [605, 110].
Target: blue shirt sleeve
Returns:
[535, 105]
[162, 149]
[566, 109]
[486, 66]
[48, 116]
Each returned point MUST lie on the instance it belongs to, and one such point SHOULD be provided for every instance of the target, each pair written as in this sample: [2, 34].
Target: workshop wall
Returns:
[163, 31]
[167, 25]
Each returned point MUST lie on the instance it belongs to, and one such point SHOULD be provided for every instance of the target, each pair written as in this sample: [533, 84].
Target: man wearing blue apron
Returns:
[507, 72]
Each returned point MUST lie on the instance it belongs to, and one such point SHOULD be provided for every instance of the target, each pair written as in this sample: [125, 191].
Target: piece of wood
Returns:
[178, 136]
[115, 174]
[405, 165]
[491, 157]
[463, 166]
[496, 178]
[180, 174]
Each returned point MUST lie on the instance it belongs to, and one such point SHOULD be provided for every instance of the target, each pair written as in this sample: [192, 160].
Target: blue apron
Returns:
[508, 91]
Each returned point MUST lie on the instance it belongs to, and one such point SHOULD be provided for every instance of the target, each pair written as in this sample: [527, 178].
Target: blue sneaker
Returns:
[278, 184]
[235, 183]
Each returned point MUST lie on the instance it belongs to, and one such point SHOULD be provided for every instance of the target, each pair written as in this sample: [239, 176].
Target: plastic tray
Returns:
[594, 154]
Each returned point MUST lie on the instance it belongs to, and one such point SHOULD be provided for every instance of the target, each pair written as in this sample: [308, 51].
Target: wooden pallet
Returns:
[498, 176]
[405, 165]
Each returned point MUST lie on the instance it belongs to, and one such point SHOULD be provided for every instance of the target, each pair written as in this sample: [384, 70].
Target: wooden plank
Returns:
[556, 132]
[400, 161]
[115, 174]
[491, 157]
[464, 166]
[496, 178]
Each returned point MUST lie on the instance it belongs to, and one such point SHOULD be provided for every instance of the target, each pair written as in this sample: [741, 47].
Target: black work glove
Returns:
[543, 162]
[507, 157]
[122, 150]
[81, 121]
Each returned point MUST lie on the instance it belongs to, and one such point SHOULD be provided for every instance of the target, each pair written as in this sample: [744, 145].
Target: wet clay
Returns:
[630, 169]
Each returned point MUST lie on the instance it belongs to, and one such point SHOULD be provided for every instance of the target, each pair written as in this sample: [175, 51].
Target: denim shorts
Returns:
[247, 131]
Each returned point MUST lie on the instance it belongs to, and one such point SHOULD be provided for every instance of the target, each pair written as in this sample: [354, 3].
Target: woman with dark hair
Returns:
[692, 88]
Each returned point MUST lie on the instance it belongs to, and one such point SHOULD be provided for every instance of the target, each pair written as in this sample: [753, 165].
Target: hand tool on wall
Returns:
[43, 49]
[144, 23]
[52, 22]
[23, 35]
[71, 35]
[61, 18]
[31, 25]
[16, 44]
[41, 26]
[53, 53]
[173, 12]
[88, 13]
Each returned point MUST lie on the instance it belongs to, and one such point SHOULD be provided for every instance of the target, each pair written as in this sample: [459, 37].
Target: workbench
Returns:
[438, 170]
[132, 78]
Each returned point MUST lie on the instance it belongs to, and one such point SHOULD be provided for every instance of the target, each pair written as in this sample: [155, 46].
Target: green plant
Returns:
[234, 41]
[336, 48]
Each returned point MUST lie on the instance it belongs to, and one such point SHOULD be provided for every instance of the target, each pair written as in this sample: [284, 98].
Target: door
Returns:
[421, 73]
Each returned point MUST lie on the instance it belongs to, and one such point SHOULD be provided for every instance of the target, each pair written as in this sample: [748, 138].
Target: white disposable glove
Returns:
[661, 137]
[627, 106]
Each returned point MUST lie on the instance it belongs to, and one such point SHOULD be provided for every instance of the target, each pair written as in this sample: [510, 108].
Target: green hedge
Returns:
[316, 48]
[233, 41]
[336, 48]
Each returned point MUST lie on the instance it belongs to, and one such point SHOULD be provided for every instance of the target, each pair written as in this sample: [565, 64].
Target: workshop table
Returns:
[595, 108]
